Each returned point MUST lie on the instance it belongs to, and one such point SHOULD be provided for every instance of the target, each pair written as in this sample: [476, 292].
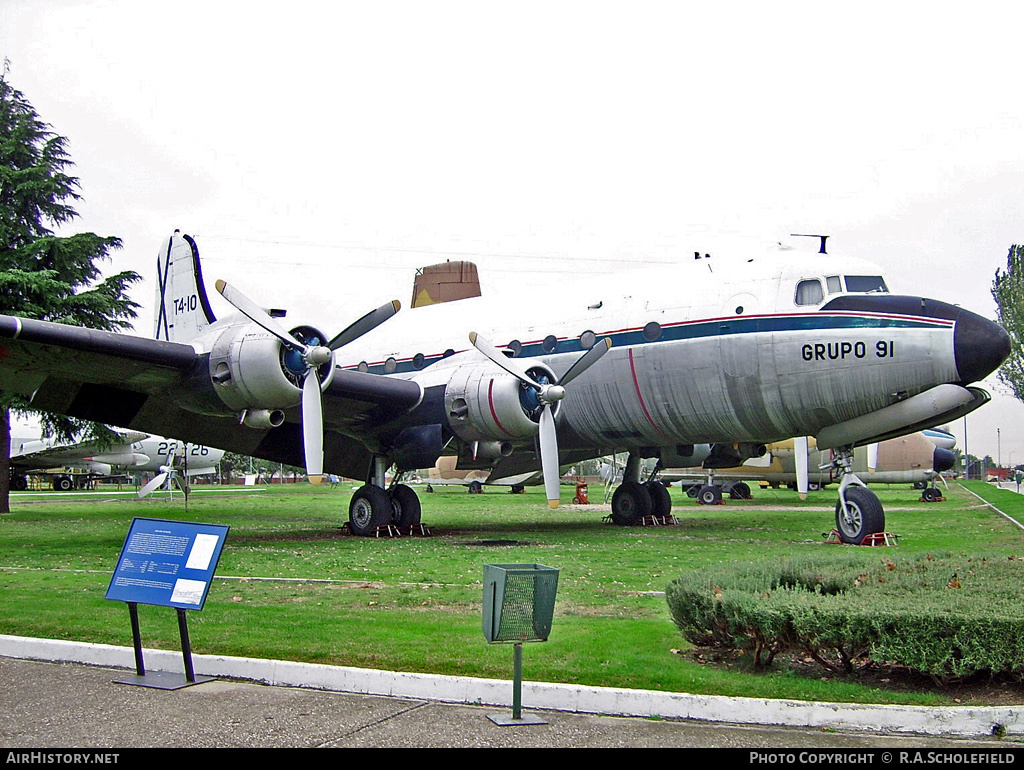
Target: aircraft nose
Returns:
[942, 460]
[979, 345]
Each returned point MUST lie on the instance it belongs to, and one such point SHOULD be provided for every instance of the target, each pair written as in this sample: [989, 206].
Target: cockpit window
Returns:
[809, 292]
[865, 284]
[834, 284]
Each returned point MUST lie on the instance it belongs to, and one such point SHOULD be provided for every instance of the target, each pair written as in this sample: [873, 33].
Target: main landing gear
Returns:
[859, 512]
[375, 506]
[635, 500]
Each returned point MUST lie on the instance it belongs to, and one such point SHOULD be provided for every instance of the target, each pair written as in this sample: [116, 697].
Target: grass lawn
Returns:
[291, 585]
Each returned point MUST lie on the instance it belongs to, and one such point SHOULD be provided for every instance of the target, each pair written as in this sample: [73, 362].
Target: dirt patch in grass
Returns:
[497, 543]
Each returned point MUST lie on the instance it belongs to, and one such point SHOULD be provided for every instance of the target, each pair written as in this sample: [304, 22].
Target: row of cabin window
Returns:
[549, 345]
[808, 292]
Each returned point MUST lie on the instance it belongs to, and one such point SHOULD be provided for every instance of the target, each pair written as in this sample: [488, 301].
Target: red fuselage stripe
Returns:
[640, 397]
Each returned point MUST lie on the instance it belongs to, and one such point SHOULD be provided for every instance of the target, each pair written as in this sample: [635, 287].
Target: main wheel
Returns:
[406, 505]
[864, 515]
[661, 500]
[693, 490]
[709, 494]
[370, 508]
[630, 503]
[930, 494]
[740, 491]
[63, 484]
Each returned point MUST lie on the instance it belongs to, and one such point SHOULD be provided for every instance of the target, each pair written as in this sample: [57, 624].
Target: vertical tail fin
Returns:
[182, 307]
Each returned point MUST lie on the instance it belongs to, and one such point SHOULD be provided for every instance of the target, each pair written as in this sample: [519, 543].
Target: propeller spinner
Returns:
[305, 360]
[547, 395]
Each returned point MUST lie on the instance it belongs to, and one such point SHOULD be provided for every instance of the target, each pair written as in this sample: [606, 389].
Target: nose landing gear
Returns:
[859, 513]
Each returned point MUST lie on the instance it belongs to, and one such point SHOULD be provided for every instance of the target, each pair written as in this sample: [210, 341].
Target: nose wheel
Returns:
[859, 513]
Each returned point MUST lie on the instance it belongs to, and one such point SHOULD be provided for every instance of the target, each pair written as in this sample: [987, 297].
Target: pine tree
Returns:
[44, 275]
[1008, 292]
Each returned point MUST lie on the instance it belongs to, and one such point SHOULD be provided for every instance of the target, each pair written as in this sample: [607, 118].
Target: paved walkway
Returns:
[65, 695]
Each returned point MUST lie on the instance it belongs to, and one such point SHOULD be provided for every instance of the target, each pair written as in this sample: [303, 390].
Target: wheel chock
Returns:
[873, 540]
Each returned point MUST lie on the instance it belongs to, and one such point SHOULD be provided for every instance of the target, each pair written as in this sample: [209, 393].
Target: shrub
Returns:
[945, 616]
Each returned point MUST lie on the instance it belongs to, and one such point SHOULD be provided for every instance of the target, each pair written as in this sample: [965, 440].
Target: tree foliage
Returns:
[1008, 292]
[44, 275]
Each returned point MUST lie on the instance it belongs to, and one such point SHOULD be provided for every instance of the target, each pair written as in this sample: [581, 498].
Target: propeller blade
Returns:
[313, 428]
[367, 323]
[257, 315]
[510, 365]
[800, 454]
[549, 456]
[587, 360]
[159, 479]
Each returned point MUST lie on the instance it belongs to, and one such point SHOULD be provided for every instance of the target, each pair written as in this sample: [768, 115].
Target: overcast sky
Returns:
[340, 145]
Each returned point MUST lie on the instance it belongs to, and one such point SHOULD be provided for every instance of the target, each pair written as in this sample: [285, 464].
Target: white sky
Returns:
[321, 151]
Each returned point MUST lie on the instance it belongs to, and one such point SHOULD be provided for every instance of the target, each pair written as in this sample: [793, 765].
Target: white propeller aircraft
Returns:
[131, 452]
[738, 350]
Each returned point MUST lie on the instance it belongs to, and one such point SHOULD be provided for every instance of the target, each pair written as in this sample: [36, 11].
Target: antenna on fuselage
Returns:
[824, 238]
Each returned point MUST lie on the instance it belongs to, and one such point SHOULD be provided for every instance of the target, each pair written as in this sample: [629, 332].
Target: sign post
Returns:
[166, 564]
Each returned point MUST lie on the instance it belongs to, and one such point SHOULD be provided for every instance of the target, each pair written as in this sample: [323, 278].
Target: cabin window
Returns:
[865, 284]
[390, 366]
[364, 367]
[588, 339]
[809, 292]
[834, 284]
[516, 347]
[419, 361]
[550, 344]
[652, 331]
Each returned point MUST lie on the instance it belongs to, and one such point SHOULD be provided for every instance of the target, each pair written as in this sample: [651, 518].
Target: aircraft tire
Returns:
[370, 508]
[709, 494]
[740, 491]
[661, 500]
[406, 505]
[19, 483]
[693, 490]
[930, 494]
[63, 484]
[630, 503]
[866, 516]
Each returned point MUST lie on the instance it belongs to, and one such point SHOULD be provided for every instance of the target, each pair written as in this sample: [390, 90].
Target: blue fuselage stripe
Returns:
[716, 327]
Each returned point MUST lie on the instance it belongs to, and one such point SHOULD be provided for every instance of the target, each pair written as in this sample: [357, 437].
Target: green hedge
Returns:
[945, 616]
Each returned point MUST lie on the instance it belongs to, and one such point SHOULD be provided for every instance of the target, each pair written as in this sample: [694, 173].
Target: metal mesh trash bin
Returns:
[519, 602]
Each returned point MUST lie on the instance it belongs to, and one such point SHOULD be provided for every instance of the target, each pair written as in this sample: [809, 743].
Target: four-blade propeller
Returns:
[311, 357]
[548, 394]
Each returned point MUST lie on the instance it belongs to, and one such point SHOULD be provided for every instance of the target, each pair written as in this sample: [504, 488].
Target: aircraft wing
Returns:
[43, 453]
[146, 385]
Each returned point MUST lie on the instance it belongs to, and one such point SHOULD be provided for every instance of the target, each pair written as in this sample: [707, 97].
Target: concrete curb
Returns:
[958, 721]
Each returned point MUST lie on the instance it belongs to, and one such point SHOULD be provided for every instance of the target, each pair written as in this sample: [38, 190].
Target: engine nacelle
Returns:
[252, 370]
[483, 403]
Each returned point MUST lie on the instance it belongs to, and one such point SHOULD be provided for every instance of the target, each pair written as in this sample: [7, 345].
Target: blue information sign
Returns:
[167, 563]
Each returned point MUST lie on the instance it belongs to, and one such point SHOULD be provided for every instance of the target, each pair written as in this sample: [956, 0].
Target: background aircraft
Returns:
[133, 452]
[735, 350]
[913, 459]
